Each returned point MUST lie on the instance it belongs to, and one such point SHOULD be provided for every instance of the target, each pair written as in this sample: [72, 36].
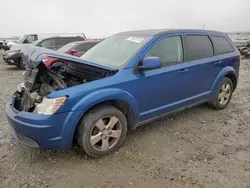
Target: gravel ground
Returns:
[200, 147]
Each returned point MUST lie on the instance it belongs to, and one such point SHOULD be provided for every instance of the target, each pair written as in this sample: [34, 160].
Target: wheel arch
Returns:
[226, 72]
[115, 97]
[233, 77]
[119, 104]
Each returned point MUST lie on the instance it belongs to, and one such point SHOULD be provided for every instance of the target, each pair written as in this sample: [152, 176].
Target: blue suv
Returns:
[127, 80]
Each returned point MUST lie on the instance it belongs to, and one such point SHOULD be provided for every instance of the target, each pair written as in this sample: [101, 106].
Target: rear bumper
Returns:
[41, 131]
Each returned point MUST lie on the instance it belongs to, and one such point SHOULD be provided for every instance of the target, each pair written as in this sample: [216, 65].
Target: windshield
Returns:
[66, 47]
[115, 51]
[36, 42]
[21, 39]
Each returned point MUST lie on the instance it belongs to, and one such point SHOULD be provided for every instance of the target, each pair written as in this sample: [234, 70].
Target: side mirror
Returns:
[149, 63]
[72, 51]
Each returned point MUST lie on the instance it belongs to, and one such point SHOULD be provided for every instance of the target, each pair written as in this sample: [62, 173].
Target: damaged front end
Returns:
[40, 81]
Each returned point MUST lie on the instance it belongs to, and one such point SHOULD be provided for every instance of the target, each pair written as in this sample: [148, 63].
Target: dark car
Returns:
[74, 48]
[2, 44]
[13, 56]
[125, 81]
[32, 37]
[241, 39]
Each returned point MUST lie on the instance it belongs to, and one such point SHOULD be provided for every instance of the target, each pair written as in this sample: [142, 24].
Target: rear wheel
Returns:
[223, 94]
[102, 131]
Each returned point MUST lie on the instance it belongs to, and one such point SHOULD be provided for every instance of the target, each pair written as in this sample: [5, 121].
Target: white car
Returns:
[30, 38]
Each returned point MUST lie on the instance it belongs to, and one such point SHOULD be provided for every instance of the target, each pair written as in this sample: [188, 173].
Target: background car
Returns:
[30, 38]
[1, 44]
[9, 41]
[73, 48]
[241, 39]
[13, 56]
[127, 80]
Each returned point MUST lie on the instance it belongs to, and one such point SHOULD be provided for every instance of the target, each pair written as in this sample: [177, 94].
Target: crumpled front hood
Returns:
[34, 56]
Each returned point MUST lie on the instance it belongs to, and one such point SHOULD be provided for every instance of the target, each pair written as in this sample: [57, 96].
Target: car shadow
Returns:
[76, 154]
[11, 68]
[158, 124]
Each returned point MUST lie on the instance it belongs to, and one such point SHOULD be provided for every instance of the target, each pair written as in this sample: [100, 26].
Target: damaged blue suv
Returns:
[127, 80]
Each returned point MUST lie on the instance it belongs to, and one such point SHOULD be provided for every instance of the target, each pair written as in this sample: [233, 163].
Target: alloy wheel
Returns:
[224, 95]
[105, 133]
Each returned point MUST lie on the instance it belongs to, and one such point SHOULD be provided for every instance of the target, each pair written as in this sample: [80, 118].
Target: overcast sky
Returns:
[100, 18]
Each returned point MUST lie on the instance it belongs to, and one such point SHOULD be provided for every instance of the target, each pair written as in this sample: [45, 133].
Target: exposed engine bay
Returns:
[41, 81]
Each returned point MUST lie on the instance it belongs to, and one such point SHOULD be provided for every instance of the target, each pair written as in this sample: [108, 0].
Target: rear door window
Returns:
[62, 41]
[73, 39]
[47, 43]
[84, 47]
[221, 45]
[198, 47]
[65, 40]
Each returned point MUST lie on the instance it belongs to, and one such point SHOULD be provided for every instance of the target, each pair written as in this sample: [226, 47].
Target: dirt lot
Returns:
[200, 147]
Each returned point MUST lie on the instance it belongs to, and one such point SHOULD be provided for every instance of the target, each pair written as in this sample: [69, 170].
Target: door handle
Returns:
[218, 62]
[183, 71]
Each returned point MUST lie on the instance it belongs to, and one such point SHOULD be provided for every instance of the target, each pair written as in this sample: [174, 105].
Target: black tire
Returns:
[21, 64]
[88, 124]
[216, 101]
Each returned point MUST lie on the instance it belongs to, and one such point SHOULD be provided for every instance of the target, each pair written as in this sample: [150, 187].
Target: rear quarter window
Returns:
[221, 45]
[198, 47]
[47, 43]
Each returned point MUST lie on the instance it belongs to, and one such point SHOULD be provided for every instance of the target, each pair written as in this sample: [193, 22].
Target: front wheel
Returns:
[223, 94]
[102, 131]
[22, 64]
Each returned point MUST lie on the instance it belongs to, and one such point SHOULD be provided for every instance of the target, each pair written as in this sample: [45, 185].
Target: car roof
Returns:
[87, 41]
[52, 35]
[56, 37]
[156, 32]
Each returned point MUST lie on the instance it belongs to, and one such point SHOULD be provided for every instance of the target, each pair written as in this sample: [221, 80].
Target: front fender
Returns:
[93, 99]
[103, 95]
[221, 75]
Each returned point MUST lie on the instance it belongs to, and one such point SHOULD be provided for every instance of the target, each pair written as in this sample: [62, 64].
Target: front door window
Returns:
[169, 50]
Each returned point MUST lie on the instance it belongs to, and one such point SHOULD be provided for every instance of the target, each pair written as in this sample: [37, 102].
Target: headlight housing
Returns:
[12, 53]
[49, 106]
